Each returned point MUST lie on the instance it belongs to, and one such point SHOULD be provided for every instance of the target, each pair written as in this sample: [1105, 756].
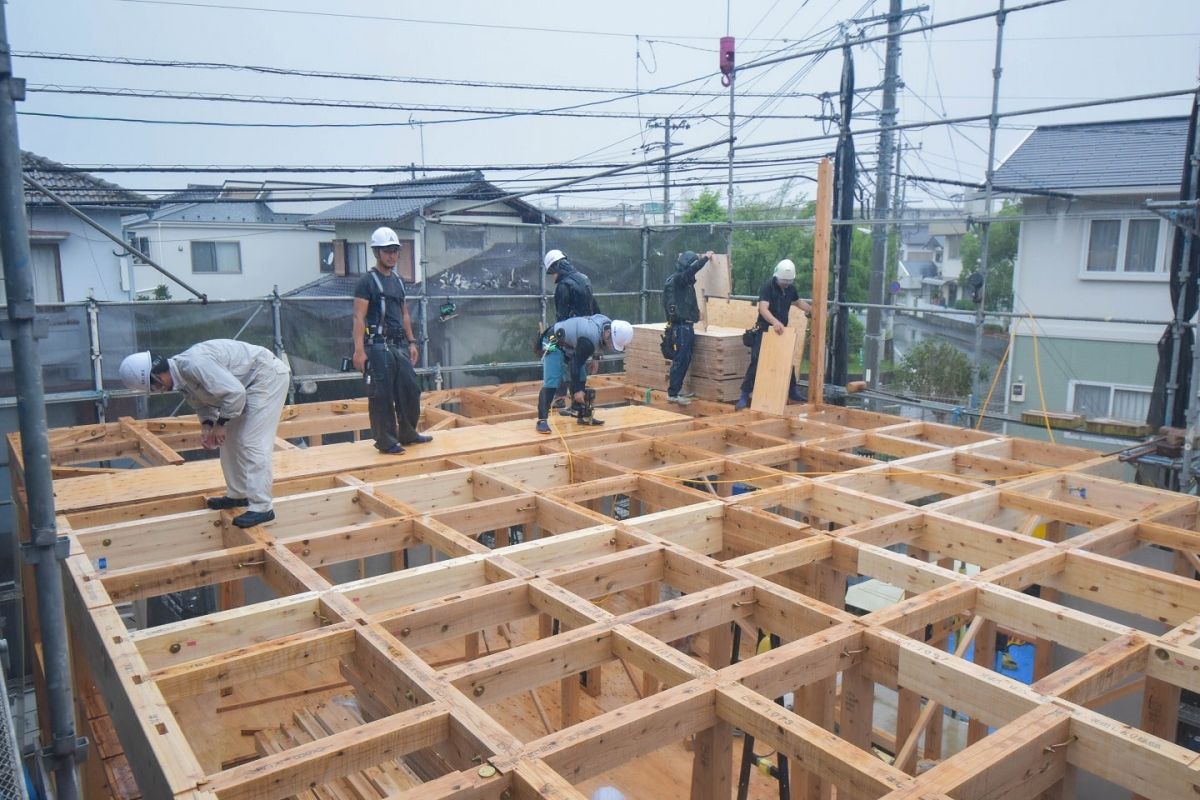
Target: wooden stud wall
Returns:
[627, 555]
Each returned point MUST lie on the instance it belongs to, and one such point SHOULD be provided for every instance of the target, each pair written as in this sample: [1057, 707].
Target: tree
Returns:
[935, 369]
[706, 208]
[1002, 255]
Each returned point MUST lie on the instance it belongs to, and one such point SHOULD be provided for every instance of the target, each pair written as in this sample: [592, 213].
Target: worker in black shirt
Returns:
[385, 348]
[775, 300]
[683, 312]
[572, 298]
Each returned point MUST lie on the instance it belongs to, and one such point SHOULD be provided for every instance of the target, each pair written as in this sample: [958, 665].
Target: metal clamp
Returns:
[74, 748]
[33, 552]
[41, 328]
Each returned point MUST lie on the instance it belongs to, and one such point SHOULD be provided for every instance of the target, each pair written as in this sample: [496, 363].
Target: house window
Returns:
[1129, 246]
[141, 244]
[325, 256]
[953, 243]
[463, 238]
[1110, 401]
[219, 257]
[47, 273]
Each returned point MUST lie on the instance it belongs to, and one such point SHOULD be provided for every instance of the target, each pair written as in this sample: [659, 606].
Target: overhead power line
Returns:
[414, 21]
[668, 91]
[484, 113]
[763, 62]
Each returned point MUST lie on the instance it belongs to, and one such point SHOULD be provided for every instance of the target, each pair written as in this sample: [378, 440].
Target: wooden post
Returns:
[820, 281]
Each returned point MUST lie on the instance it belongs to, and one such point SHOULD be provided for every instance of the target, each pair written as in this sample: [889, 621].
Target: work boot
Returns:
[589, 421]
[543, 426]
[223, 503]
[422, 438]
[743, 403]
[679, 399]
[560, 402]
[573, 411]
[797, 395]
[252, 518]
[394, 450]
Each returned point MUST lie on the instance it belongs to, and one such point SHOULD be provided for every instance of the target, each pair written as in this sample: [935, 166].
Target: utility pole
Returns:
[873, 343]
[985, 226]
[667, 125]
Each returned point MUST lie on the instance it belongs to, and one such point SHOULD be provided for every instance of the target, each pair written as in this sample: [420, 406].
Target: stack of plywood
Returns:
[719, 362]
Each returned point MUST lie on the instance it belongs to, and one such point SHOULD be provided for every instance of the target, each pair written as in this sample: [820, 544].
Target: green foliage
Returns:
[160, 292]
[706, 208]
[935, 369]
[1002, 255]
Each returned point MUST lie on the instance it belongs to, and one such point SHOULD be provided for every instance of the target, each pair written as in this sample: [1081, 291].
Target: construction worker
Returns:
[386, 350]
[571, 343]
[683, 312]
[775, 299]
[238, 391]
[572, 297]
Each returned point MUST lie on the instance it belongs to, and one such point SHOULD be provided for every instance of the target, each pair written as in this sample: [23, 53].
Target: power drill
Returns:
[585, 415]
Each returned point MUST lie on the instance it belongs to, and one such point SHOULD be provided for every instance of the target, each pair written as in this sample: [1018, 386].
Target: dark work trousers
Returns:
[394, 396]
[748, 381]
[685, 337]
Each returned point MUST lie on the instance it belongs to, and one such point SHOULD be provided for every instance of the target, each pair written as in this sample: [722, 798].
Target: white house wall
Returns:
[1050, 277]
[270, 254]
[88, 261]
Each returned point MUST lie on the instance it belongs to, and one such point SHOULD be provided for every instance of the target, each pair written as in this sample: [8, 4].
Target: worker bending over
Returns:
[569, 345]
[238, 391]
[775, 299]
[572, 298]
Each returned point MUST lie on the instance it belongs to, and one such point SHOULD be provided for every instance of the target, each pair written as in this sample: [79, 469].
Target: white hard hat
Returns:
[135, 371]
[384, 237]
[622, 334]
[552, 257]
[785, 270]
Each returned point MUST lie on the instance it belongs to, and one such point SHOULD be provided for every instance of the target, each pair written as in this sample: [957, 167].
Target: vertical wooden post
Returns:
[820, 281]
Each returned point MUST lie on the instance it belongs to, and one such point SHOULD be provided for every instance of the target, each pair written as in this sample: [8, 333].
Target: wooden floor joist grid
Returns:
[577, 624]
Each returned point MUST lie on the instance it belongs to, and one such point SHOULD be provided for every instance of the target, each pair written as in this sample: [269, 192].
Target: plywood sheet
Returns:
[728, 313]
[771, 381]
[712, 281]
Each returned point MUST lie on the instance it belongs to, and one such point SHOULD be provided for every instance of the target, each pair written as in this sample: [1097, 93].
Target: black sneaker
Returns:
[252, 518]
[394, 450]
[223, 503]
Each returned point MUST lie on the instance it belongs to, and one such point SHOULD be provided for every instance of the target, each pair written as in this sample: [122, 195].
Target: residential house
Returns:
[930, 257]
[1088, 247]
[446, 255]
[230, 241]
[428, 247]
[71, 261]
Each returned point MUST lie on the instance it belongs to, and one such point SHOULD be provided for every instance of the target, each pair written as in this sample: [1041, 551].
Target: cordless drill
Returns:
[585, 414]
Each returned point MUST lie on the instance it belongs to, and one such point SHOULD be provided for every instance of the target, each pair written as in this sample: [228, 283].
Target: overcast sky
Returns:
[1074, 50]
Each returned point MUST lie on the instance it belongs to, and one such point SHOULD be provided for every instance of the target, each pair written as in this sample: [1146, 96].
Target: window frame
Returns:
[1112, 388]
[216, 263]
[1119, 273]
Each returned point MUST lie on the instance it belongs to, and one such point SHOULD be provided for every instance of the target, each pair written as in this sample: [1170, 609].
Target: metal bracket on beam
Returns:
[72, 748]
[33, 552]
[41, 328]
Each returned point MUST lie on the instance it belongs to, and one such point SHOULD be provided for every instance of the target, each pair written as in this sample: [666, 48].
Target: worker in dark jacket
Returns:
[572, 298]
[683, 312]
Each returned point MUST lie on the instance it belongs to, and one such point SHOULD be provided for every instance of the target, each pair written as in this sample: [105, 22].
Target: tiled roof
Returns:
[1098, 155]
[392, 202]
[77, 188]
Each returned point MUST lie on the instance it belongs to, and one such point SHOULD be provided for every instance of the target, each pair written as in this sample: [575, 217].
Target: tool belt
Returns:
[396, 341]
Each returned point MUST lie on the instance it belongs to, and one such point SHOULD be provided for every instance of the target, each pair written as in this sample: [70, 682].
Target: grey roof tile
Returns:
[78, 188]
[1098, 155]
